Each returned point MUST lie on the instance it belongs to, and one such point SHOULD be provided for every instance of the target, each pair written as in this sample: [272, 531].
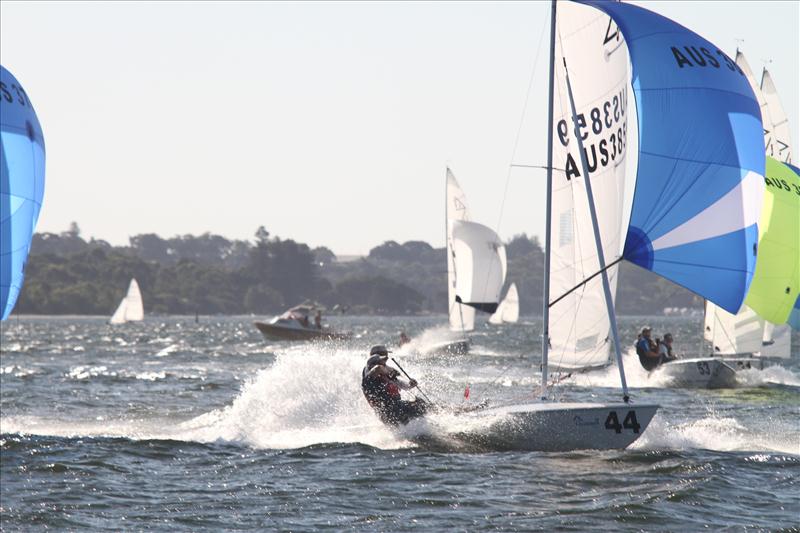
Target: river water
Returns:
[183, 425]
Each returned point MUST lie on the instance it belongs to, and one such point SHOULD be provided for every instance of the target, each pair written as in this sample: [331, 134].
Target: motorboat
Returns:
[295, 325]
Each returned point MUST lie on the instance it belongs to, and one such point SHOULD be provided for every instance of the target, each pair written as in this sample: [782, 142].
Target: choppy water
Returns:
[169, 424]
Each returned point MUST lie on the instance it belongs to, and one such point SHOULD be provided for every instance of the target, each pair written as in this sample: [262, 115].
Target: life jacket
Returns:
[392, 389]
[648, 363]
[373, 388]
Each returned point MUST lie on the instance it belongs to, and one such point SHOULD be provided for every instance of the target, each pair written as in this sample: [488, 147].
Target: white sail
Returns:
[130, 309]
[597, 58]
[779, 141]
[462, 317]
[777, 341]
[733, 334]
[508, 310]
[480, 261]
[762, 103]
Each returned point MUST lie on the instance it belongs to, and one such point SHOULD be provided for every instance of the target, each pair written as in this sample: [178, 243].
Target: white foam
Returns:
[86, 372]
[716, 433]
[772, 375]
[298, 401]
[635, 375]
[301, 400]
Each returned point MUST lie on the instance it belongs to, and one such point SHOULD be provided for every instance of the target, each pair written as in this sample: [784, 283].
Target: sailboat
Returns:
[699, 177]
[476, 269]
[130, 309]
[758, 333]
[508, 310]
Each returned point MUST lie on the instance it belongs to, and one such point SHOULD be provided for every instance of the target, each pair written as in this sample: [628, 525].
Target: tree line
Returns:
[209, 274]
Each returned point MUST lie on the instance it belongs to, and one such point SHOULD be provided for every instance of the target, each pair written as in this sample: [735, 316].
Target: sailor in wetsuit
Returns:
[381, 387]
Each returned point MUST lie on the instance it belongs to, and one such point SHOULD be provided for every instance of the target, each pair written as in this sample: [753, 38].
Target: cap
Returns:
[646, 328]
[379, 349]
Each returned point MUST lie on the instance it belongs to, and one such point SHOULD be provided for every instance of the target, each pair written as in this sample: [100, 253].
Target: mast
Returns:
[597, 240]
[548, 204]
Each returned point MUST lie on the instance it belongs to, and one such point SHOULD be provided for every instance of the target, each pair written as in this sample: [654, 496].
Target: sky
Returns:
[328, 123]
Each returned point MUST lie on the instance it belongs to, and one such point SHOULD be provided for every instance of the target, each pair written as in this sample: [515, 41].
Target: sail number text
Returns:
[10, 93]
[691, 56]
[606, 120]
[629, 422]
[781, 184]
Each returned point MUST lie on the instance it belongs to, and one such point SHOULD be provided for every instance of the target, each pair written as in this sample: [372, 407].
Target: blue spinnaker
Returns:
[794, 316]
[21, 185]
[701, 159]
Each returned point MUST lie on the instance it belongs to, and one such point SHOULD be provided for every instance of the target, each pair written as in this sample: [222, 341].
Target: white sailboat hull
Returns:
[747, 362]
[700, 372]
[553, 427]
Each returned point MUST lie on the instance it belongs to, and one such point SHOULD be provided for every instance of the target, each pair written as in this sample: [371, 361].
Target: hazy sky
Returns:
[328, 123]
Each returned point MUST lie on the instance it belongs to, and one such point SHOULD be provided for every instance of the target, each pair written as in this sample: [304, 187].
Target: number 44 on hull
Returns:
[549, 427]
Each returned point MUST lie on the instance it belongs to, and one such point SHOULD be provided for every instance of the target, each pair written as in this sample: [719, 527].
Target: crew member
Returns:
[381, 387]
[665, 349]
[647, 350]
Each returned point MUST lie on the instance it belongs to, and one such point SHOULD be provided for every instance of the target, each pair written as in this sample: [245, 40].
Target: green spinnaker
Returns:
[776, 282]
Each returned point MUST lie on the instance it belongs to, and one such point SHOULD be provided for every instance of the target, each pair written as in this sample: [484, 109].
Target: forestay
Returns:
[597, 59]
[22, 157]
[480, 264]
[462, 317]
[701, 159]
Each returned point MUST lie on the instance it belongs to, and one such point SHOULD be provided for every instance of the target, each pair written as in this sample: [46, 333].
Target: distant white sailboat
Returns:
[476, 269]
[508, 310]
[130, 309]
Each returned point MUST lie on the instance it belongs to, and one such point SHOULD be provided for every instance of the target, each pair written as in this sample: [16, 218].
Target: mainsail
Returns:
[776, 123]
[598, 67]
[130, 309]
[462, 317]
[22, 157]
[508, 310]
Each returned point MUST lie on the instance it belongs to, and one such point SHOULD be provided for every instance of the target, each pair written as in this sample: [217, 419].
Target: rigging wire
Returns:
[521, 123]
[516, 144]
